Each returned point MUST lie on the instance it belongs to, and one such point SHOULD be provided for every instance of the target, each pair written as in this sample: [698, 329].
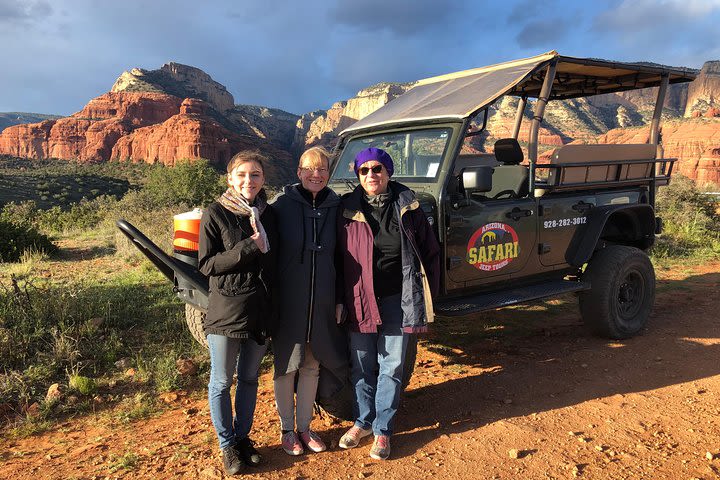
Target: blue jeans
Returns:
[377, 369]
[228, 356]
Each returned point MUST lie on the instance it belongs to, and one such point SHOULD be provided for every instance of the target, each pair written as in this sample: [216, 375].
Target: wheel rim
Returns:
[630, 296]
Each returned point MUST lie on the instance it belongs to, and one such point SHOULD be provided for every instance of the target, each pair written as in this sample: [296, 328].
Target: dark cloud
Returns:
[543, 33]
[302, 56]
[527, 9]
[402, 17]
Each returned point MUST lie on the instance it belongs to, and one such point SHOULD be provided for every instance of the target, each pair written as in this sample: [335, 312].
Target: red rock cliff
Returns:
[691, 141]
[89, 134]
[188, 135]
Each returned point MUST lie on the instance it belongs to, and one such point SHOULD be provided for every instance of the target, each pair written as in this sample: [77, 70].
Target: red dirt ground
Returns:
[567, 405]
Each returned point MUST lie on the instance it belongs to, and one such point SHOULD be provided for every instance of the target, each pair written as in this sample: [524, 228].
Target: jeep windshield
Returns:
[417, 154]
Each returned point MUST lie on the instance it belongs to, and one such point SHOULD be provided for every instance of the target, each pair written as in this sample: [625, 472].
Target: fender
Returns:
[583, 244]
[190, 285]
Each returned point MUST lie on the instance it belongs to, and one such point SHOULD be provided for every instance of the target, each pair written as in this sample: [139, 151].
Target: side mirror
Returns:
[476, 179]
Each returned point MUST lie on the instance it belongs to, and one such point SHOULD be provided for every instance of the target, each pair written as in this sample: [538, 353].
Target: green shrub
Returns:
[22, 213]
[691, 222]
[194, 183]
[16, 238]
[82, 385]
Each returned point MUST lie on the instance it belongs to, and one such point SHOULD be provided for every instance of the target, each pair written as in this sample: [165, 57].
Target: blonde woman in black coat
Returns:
[305, 333]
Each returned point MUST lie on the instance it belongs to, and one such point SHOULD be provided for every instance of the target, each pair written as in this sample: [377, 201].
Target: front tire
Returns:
[622, 281]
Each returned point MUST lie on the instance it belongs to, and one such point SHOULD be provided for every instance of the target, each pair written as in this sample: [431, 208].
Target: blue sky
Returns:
[304, 55]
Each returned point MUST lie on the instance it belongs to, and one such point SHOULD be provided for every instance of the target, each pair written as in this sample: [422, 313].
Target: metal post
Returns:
[657, 114]
[519, 117]
[537, 119]
[655, 131]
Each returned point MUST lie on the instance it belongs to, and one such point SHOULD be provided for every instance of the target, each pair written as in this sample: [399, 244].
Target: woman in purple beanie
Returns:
[390, 271]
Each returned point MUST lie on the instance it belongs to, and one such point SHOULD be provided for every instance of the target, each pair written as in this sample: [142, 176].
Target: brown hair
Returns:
[247, 156]
[314, 157]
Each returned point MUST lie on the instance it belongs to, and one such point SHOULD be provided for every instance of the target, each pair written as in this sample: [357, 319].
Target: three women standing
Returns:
[390, 260]
[305, 333]
[237, 251]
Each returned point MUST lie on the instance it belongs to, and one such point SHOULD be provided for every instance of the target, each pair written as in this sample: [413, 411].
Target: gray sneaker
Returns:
[231, 461]
[353, 436]
[381, 448]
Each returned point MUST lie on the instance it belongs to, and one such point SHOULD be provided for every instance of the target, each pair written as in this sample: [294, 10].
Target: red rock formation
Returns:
[89, 134]
[178, 80]
[134, 126]
[703, 92]
[691, 141]
[28, 140]
[140, 108]
[708, 169]
[188, 135]
[191, 135]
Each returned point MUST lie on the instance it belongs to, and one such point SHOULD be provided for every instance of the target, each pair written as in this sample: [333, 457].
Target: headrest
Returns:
[508, 151]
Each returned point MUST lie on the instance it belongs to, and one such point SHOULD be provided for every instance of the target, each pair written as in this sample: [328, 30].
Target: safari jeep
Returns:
[512, 229]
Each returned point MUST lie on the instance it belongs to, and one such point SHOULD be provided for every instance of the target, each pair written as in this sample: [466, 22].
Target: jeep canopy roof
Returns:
[462, 94]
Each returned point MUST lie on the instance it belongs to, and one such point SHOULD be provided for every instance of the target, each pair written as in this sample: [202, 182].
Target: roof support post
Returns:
[519, 117]
[657, 114]
[537, 119]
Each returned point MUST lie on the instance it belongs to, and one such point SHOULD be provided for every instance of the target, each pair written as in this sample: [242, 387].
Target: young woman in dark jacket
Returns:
[305, 333]
[238, 236]
[390, 272]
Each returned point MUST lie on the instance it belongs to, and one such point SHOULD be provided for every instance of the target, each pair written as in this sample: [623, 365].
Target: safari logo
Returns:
[492, 247]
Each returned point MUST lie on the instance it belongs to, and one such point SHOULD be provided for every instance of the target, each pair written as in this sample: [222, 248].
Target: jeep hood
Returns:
[459, 95]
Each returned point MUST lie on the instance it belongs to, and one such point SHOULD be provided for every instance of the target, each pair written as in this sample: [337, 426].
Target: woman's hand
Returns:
[259, 241]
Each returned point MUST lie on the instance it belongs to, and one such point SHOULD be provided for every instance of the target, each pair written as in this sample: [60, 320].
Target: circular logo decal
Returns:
[492, 247]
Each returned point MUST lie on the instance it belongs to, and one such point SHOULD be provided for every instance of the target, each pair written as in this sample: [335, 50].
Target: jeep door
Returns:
[559, 217]
[488, 239]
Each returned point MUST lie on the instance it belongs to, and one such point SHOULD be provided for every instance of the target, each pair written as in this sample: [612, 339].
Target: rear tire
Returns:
[195, 320]
[622, 281]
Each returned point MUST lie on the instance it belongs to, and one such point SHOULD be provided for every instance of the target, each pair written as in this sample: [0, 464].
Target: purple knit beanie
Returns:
[373, 153]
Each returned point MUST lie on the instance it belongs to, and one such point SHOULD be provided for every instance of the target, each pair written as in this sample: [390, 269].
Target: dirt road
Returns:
[565, 404]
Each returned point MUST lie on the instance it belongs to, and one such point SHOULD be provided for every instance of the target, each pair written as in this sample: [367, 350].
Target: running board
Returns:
[488, 301]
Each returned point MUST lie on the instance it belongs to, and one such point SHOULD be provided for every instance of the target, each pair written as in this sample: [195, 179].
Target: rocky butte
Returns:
[179, 112]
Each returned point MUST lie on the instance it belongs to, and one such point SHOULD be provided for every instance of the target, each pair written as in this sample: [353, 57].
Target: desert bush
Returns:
[22, 213]
[691, 222]
[83, 215]
[16, 238]
[194, 183]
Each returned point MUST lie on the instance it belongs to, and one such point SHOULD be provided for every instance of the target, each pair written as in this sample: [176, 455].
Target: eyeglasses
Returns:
[320, 170]
[365, 170]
